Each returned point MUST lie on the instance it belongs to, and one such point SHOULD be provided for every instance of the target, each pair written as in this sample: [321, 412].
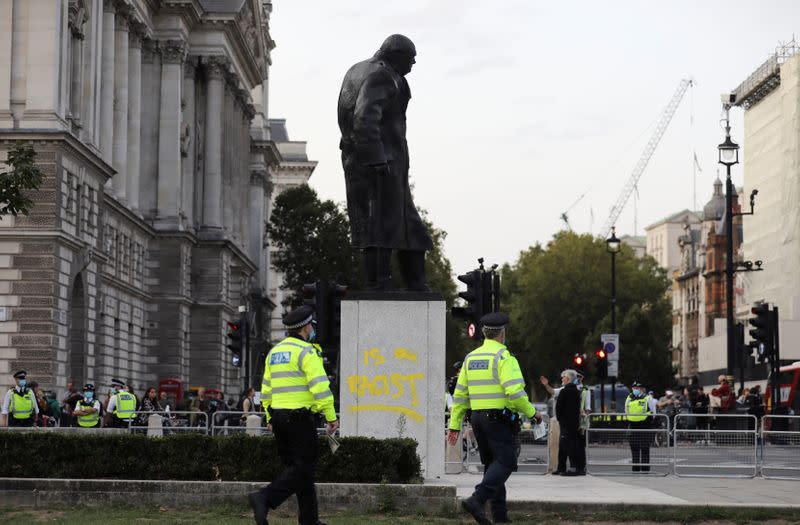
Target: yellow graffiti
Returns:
[402, 353]
[376, 356]
[379, 385]
[410, 412]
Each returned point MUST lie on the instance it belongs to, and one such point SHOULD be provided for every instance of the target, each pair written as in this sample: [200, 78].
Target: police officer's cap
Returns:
[637, 384]
[298, 318]
[494, 321]
[117, 382]
[20, 374]
[88, 387]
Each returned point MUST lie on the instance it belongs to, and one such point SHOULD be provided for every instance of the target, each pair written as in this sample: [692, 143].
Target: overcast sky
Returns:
[520, 106]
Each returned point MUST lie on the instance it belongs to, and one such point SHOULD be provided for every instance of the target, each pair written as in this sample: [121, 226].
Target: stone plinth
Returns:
[392, 371]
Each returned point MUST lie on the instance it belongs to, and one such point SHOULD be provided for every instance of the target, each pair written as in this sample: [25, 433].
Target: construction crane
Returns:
[565, 216]
[638, 170]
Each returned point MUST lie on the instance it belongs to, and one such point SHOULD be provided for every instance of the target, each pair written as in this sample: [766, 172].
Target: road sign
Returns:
[611, 346]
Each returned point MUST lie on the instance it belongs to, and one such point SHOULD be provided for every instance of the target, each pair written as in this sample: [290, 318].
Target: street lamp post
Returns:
[728, 156]
[613, 247]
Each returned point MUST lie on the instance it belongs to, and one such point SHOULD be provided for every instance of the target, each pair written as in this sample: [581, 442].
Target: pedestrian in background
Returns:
[553, 429]
[68, 405]
[149, 405]
[568, 411]
[19, 404]
[491, 385]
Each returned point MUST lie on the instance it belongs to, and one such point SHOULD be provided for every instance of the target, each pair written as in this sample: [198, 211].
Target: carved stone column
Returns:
[187, 139]
[212, 190]
[107, 82]
[134, 116]
[121, 38]
[173, 53]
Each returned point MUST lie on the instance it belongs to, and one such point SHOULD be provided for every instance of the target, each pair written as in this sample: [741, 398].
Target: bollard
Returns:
[155, 427]
[253, 425]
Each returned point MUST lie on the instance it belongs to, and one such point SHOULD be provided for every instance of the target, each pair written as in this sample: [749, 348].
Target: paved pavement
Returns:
[644, 490]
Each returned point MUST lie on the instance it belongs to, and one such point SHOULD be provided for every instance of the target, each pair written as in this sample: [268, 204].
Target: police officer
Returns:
[639, 407]
[19, 404]
[87, 410]
[490, 383]
[121, 407]
[295, 387]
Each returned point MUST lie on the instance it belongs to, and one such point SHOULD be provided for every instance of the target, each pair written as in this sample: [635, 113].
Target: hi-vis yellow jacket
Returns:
[490, 378]
[294, 377]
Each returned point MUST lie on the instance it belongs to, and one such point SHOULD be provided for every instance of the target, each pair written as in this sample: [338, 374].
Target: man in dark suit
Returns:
[372, 119]
[568, 407]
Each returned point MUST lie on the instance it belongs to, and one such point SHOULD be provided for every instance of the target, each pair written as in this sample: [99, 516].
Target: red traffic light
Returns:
[601, 354]
[578, 359]
[234, 326]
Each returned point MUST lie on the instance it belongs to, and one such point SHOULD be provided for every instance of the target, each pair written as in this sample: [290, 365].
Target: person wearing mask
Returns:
[491, 385]
[639, 409]
[87, 410]
[121, 408]
[294, 388]
[20, 408]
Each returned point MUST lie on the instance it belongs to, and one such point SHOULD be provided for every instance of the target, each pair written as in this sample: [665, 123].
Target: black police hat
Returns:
[20, 374]
[637, 383]
[88, 386]
[494, 320]
[298, 318]
[117, 382]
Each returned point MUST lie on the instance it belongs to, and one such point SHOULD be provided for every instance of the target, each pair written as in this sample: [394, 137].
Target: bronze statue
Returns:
[372, 119]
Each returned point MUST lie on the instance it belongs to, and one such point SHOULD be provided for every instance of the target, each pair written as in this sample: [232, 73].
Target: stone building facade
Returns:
[150, 120]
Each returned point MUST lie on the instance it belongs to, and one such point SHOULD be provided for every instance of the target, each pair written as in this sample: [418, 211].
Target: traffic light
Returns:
[315, 295]
[578, 361]
[761, 333]
[602, 363]
[336, 292]
[235, 335]
[474, 297]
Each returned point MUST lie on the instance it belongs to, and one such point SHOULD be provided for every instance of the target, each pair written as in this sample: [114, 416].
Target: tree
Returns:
[312, 238]
[559, 300]
[15, 185]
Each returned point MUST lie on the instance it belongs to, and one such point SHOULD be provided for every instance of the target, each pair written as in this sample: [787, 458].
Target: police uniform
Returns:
[638, 410]
[294, 389]
[122, 406]
[87, 402]
[490, 383]
[19, 403]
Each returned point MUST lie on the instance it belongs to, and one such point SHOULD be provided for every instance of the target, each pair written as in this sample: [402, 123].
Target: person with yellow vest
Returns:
[639, 408]
[19, 404]
[490, 384]
[121, 409]
[294, 389]
[87, 410]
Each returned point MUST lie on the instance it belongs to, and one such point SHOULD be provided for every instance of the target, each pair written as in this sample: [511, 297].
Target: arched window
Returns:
[77, 18]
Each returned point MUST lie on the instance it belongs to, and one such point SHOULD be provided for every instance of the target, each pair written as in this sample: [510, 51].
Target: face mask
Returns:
[637, 392]
[23, 383]
[576, 381]
[88, 395]
[312, 334]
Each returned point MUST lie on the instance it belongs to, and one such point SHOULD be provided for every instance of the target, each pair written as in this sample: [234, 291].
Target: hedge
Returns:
[189, 457]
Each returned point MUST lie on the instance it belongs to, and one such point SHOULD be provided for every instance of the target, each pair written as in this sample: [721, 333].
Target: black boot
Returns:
[412, 268]
[260, 508]
[476, 510]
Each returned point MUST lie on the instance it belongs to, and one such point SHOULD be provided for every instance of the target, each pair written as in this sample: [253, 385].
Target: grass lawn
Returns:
[560, 514]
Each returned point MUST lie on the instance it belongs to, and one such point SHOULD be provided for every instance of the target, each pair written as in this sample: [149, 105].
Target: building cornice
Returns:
[130, 216]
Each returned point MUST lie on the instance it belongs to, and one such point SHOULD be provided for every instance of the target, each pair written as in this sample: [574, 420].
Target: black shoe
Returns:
[260, 509]
[570, 473]
[475, 510]
[557, 473]
[580, 473]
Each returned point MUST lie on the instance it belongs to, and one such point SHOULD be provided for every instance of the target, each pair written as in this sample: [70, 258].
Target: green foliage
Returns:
[559, 297]
[15, 185]
[312, 238]
[197, 457]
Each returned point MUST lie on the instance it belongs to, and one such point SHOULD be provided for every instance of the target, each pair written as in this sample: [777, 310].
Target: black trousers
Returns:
[569, 447]
[495, 439]
[640, 443]
[14, 422]
[296, 437]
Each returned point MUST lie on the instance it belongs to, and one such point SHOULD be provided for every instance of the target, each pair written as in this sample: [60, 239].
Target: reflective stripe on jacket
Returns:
[637, 409]
[89, 420]
[490, 378]
[294, 377]
[126, 405]
[22, 405]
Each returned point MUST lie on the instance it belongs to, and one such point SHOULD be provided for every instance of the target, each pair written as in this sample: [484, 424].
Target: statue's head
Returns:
[399, 52]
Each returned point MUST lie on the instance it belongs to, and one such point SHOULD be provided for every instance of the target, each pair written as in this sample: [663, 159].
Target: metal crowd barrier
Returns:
[531, 449]
[614, 447]
[224, 423]
[172, 422]
[717, 445]
[65, 430]
[780, 447]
